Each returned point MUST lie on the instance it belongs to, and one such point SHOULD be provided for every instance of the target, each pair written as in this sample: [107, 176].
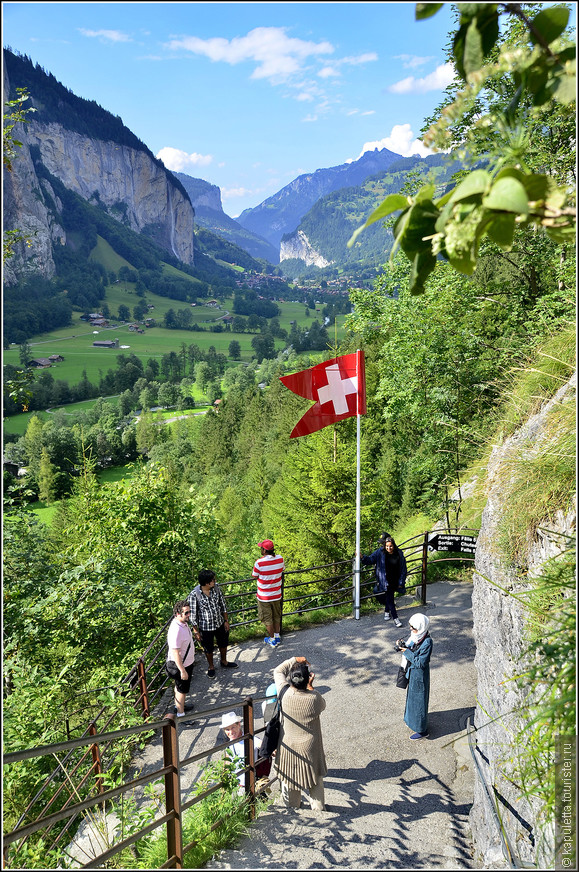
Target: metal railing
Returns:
[147, 681]
[171, 771]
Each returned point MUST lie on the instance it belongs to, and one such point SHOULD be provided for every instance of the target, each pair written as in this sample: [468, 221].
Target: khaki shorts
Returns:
[269, 613]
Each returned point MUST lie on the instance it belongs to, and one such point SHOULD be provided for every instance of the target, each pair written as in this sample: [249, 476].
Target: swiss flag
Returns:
[338, 387]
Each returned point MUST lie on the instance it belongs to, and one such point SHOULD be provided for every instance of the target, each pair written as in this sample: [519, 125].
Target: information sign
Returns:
[453, 542]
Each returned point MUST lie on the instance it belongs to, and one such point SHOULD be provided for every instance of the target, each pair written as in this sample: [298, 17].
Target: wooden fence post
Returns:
[173, 792]
[248, 729]
[96, 758]
[144, 692]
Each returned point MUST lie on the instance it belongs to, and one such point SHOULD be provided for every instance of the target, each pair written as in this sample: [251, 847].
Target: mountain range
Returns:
[98, 159]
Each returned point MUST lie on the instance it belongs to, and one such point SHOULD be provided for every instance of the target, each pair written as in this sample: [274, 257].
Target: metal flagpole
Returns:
[357, 560]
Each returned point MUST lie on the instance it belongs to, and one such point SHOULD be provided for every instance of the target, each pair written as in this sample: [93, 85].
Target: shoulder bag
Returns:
[272, 730]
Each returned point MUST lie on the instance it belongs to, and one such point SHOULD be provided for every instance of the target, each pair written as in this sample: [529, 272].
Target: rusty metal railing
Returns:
[147, 681]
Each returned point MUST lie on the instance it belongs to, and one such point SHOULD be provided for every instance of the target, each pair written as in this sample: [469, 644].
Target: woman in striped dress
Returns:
[300, 761]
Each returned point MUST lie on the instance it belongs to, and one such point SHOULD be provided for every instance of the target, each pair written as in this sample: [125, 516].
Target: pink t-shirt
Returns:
[179, 636]
[268, 570]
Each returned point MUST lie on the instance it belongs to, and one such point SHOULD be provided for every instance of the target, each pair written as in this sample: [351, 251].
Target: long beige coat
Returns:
[300, 760]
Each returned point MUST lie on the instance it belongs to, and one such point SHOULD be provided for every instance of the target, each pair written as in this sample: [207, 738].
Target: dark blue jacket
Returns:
[378, 559]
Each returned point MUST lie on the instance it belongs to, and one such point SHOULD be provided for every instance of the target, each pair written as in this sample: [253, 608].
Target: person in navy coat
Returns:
[390, 571]
[416, 652]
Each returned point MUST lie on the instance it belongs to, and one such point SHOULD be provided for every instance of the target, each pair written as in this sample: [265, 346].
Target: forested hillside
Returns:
[331, 221]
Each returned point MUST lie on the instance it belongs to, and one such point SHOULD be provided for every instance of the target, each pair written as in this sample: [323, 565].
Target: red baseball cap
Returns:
[267, 544]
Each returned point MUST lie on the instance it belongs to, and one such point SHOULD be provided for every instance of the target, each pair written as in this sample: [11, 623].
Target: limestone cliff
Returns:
[134, 188]
[298, 246]
[499, 621]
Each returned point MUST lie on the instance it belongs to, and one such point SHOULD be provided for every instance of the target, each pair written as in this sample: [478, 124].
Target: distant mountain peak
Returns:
[282, 212]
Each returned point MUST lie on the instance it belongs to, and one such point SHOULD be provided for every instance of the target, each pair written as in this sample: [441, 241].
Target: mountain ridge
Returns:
[282, 212]
[206, 201]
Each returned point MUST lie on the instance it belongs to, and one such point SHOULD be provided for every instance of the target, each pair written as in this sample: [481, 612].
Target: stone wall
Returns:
[499, 631]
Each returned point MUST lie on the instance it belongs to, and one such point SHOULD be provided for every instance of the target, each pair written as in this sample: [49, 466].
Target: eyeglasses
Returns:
[185, 614]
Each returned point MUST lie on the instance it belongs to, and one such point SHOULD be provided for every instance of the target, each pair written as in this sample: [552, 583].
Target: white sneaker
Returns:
[386, 616]
[397, 623]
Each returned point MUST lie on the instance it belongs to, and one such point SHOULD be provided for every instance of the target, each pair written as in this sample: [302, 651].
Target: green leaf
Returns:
[392, 203]
[565, 92]
[501, 229]
[473, 54]
[425, 193]
[507, 195]
[473, 186]
[550, 23]
[536, 185]
[422, 265]
[420, 224]
[426, 10]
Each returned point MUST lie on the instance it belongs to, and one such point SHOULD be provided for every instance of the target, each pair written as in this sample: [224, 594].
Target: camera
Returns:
[400, 643]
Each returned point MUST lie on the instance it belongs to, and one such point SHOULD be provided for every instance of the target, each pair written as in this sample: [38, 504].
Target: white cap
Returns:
[229, 719]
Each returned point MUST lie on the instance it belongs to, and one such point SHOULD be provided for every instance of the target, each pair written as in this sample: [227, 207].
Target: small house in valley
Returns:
[106, 343]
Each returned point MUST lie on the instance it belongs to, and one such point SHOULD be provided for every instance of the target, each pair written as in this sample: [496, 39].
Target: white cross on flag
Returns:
[337, 386]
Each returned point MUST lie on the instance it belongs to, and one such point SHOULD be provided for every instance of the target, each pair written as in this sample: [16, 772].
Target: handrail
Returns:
[171, 769]
[148, 680]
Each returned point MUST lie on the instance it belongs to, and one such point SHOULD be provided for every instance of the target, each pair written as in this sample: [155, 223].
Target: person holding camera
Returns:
[300, 761]
[416, 654]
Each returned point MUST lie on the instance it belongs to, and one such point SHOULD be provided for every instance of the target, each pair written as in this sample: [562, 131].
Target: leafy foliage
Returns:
[539, 65]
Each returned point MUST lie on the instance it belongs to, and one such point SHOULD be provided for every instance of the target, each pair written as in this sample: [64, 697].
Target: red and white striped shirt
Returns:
[268, 570]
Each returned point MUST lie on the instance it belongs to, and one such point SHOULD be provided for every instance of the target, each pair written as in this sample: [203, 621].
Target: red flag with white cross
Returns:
[338, 387]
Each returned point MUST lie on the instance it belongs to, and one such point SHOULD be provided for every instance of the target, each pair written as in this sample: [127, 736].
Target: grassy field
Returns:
[75, 343]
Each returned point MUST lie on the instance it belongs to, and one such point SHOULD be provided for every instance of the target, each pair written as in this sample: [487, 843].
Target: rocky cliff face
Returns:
[134, 188]
[499, 631]
[298, 246]
[123, 178]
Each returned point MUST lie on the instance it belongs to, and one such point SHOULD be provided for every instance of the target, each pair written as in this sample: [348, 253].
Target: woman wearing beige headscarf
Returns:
[300, 761]
[417, 650]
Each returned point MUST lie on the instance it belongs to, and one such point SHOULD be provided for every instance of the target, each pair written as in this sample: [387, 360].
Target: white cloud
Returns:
[333, 69]
[276, 56]
[233, 193]
[107, 35]
[401, 141]
[436, 81]
[369, 112]
[410, 62]
[360, 59]
[327, 72]
[177, 161]
[310, 118]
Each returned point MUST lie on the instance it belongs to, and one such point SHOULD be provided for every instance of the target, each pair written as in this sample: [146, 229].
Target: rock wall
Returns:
[24, 208]
[499, 632]
[134, 188]
[125, 178]
[298, 246]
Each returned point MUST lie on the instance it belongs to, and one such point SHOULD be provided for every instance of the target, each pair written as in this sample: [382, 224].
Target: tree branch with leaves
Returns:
[515, 81]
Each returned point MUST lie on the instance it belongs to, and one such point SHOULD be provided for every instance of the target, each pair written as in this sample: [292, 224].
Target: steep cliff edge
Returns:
[501, 631]
[127, 181]
[297, 246]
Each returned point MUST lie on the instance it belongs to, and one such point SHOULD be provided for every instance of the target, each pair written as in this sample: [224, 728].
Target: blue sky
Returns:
[246, 95]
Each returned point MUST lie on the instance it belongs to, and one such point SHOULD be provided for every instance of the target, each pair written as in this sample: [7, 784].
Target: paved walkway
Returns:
[391, 802]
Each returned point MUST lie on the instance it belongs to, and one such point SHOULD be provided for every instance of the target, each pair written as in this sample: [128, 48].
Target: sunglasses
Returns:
[185, 614]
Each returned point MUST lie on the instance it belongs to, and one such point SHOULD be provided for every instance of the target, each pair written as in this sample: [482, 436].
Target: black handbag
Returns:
[171, 667]
[401, 679]
[272, 731]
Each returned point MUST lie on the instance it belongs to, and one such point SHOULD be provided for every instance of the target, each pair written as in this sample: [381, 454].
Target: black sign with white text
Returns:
[453, 542]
